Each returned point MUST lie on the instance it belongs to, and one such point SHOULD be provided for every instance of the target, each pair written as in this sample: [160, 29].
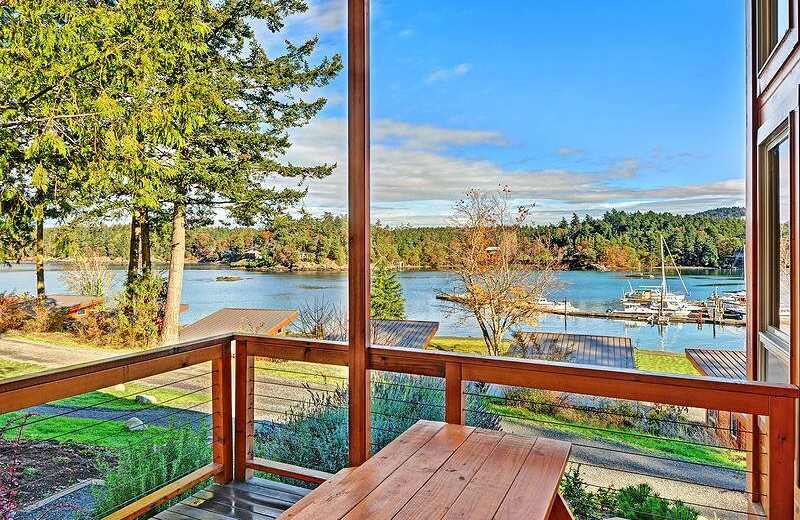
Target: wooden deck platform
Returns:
[397, 333]
[256, 499]
[231, 321]
[584, 349]
[727, 364]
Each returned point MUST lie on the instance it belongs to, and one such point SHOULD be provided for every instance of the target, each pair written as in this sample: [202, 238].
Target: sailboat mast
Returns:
[663, 276]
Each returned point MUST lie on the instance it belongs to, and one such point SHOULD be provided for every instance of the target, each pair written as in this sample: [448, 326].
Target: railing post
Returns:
[454, 394]
[245, 423]
[222, 414]
[359, 330]
[780, 473]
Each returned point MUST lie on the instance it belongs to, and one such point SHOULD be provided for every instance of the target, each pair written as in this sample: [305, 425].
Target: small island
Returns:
[228, 278]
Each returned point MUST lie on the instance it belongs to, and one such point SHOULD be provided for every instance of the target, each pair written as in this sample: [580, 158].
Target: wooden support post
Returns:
[781, 458]
[359, 222]
[245, 423]
[222, 414]
[454, 396]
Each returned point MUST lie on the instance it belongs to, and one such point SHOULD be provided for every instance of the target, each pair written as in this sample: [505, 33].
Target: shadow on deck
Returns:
[256, 499]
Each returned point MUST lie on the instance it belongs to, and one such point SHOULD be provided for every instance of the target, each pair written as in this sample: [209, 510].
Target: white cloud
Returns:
[432, 137]
[330, 15]
[415, 181]
[570, 151]
[448, 73]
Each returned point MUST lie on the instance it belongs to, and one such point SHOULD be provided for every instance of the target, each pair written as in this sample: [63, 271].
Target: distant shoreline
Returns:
[308, 267]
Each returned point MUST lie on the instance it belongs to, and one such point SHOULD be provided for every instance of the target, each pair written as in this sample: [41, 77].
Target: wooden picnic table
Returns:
[446, 471]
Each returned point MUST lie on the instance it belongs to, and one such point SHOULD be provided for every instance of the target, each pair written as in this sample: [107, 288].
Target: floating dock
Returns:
[700, 318]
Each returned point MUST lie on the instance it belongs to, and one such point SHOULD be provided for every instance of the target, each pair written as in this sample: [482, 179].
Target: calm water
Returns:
[587, 290]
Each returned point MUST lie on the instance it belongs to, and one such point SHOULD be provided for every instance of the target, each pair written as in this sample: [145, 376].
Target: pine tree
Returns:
[386, 295]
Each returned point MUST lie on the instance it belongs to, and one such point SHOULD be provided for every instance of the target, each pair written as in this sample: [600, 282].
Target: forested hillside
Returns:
[617, 240]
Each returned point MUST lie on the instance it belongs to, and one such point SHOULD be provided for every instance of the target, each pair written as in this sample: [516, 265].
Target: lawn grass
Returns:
[664, 362]
[90, 432]
[125, 399]
[10, 368]
[463, 345]
[638, 439]
[52, 338]
[301, 371]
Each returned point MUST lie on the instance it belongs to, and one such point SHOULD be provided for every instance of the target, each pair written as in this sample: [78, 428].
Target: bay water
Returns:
[589, 290]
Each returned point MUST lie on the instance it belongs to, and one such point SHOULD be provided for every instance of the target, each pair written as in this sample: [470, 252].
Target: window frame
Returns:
[767, 62]
[766, 25]
[770, 337]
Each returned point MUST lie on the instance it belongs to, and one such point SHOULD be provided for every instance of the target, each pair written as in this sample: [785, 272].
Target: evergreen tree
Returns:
[386, 294]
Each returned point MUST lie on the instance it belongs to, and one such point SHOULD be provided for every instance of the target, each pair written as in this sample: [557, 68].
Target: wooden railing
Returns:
[45, 387]
[772, 496]
[234, 422]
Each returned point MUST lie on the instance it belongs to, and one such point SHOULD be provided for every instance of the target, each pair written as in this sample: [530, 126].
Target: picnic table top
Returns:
[447, 471]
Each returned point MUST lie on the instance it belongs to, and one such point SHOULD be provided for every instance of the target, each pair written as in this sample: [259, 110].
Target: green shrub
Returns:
[315, 433]
[45, 319]
[12, 314]
[632, 502]
[150, 464]
[642, 503]
[139, 311]
[656, 419]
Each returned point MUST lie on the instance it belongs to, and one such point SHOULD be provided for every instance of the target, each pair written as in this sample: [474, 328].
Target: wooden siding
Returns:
[603, 351]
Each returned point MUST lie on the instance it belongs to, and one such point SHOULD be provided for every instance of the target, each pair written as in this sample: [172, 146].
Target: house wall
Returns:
[772, 101]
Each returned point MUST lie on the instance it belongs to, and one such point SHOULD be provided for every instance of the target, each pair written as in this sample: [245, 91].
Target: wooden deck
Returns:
[604, 351]
[232, 321]
[256, 499]
[397, 333]
[727, 364]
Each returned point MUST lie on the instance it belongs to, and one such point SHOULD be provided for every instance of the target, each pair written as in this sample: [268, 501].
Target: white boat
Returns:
[634, 309]
[545, 304]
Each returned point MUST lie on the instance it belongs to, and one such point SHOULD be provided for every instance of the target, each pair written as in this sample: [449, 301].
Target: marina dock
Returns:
[568, 309]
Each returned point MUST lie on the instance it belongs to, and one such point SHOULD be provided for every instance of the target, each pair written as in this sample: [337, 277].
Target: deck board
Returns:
[433, 470]
[584, 349]
[256, 499]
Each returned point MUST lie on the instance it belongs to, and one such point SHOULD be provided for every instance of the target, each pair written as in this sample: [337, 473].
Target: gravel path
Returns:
[674, 479]
[76, 504]
[51, 356]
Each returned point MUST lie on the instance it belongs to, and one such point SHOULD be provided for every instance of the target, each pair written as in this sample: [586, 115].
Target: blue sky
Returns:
[579, 106]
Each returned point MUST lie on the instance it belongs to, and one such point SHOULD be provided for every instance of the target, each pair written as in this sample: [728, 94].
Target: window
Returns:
[773, 24]
[774, 338]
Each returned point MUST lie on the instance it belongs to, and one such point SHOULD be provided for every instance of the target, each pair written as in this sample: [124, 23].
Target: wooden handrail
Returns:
[52, 385]
[60, 374]
[771, 400]
[233, 443]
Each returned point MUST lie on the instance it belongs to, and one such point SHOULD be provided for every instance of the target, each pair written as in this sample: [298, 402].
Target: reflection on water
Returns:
[587, 290]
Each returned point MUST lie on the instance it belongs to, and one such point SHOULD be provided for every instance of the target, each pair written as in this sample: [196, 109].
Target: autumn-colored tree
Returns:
[499, 290]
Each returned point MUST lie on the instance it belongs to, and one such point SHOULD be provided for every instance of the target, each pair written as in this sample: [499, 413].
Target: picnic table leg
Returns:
[560, 511]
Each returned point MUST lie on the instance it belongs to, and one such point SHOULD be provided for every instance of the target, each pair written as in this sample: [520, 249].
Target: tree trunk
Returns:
[144, 229]
[133, 251]
[175, 277]
[40, 292]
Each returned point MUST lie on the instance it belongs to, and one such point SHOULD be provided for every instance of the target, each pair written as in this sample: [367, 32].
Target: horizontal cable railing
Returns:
[636, 436]
[291, 413]
[116, 438]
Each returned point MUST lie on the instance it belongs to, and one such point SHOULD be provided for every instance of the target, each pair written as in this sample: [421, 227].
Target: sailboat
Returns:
[657, 299]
